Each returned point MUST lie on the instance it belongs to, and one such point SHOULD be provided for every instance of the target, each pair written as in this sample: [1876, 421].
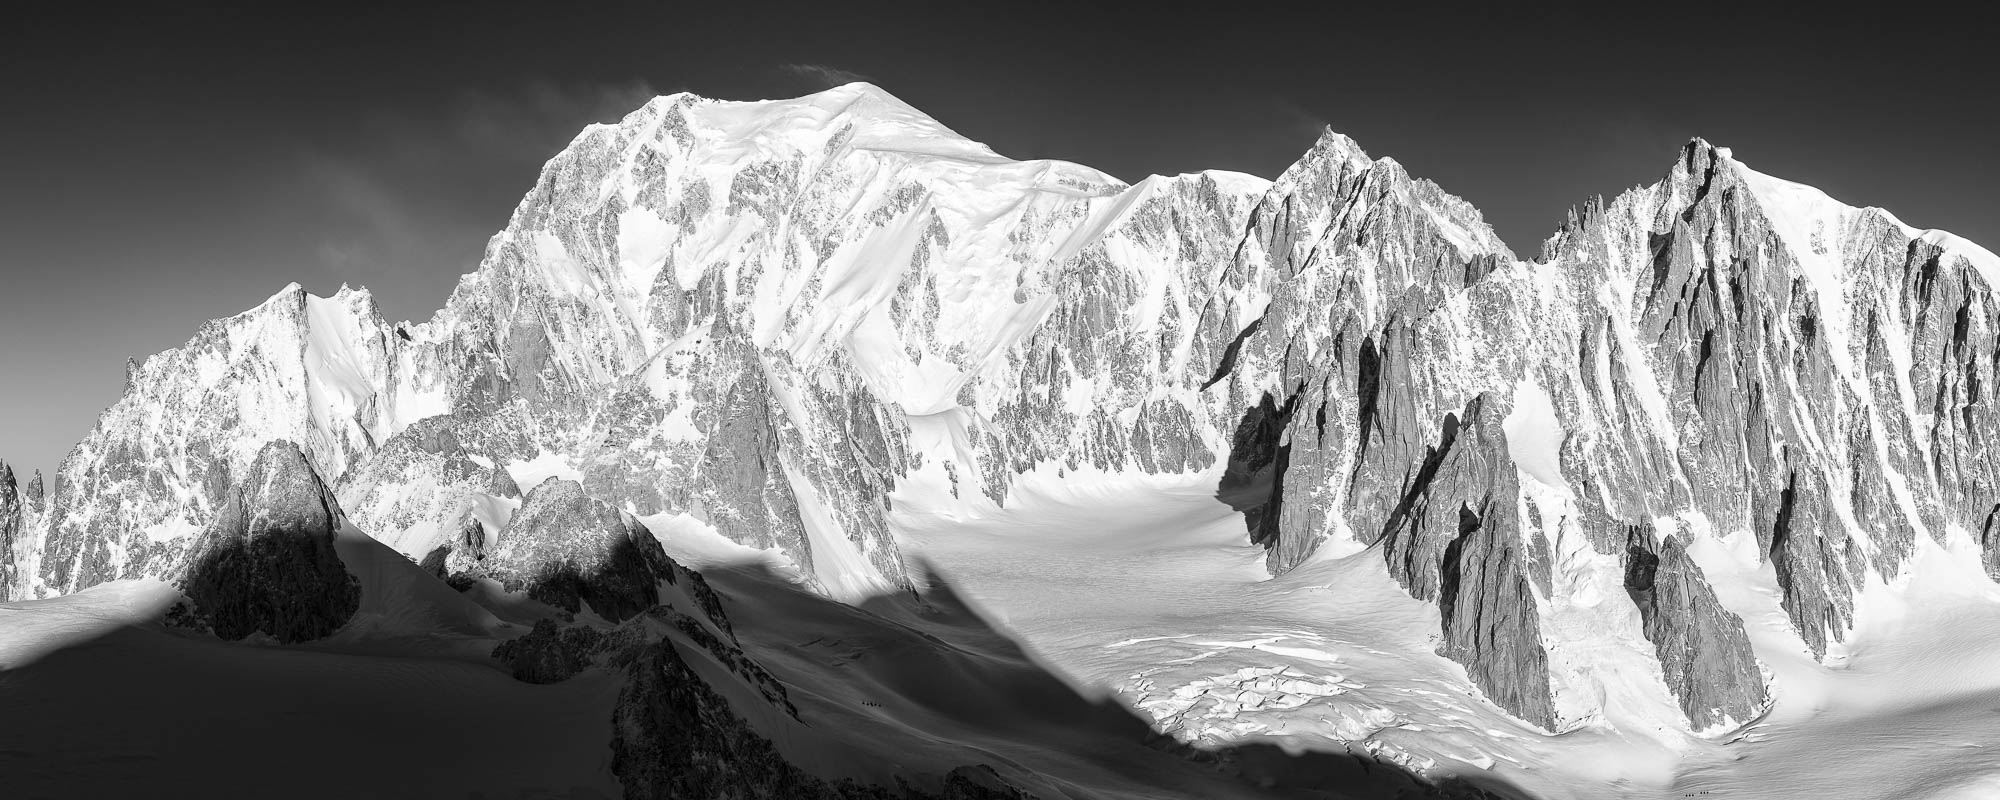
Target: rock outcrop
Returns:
[267, 564]
[552, 653]
[1702, 647]
[575, 552]
[1455, 538]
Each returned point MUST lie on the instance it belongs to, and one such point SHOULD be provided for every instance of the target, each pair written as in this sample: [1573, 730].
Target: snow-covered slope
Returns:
[770, 319]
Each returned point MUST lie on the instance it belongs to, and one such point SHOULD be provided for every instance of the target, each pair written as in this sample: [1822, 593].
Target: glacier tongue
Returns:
[764, 318]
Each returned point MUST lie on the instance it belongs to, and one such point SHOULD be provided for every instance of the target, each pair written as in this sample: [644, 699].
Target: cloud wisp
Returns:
[822, 76]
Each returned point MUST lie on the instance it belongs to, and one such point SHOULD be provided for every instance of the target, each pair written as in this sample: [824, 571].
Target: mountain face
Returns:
[768, 316]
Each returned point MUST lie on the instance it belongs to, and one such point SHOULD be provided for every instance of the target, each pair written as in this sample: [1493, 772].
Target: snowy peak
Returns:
[862, 115]
[1337, 176]
[1331, 150]
[763, 319]
[1816, 227]
[1823, 357]
[1814, 222]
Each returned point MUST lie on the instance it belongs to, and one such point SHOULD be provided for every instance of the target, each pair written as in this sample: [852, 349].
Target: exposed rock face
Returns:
[267, 564]
[568, 550]
[12, 507]
[1454, 538]
[551, 653]
[422, 480]
[765, 315]
[1258, 459]
[24, 519]
[1349, 252]
[1702, 647]
[1989, 540]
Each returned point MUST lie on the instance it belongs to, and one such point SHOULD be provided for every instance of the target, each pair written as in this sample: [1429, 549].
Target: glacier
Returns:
[1628, 502]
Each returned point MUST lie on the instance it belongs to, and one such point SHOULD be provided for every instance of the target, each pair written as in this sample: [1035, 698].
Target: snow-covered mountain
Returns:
[770, 319]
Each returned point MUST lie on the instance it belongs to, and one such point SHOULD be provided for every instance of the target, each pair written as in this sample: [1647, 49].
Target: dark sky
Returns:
[166, 166]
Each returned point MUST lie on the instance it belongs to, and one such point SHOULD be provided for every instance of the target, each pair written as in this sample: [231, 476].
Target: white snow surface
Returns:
[532, 472]
[1903, 710]
[1535, 436]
